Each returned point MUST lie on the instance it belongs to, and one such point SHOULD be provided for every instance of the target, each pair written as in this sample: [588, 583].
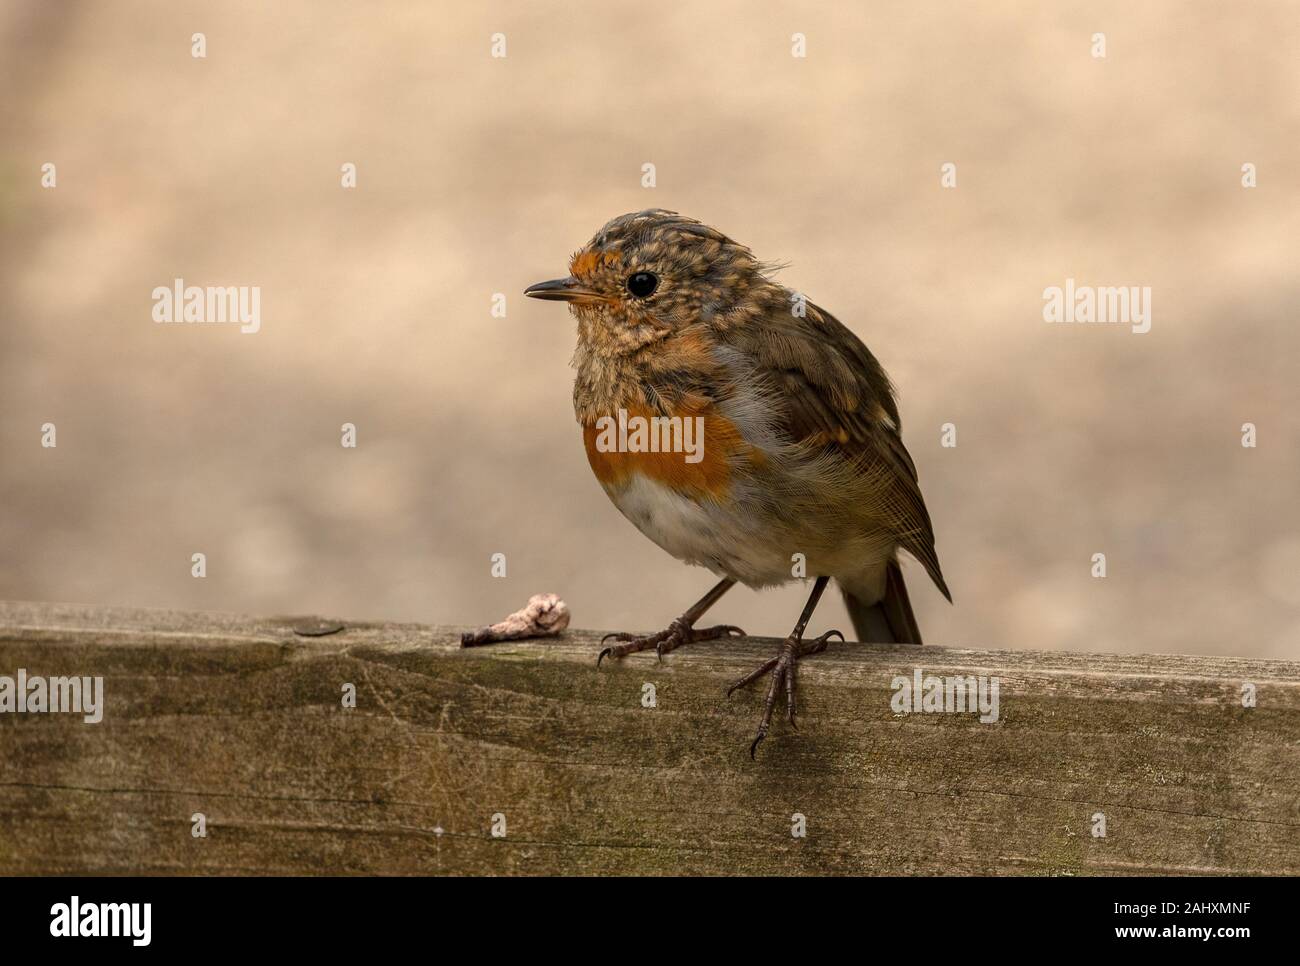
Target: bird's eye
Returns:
[642, 284]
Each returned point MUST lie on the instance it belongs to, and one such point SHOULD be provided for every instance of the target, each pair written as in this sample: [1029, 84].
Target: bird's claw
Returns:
[677, 633]
[783, 672]
[612, 635]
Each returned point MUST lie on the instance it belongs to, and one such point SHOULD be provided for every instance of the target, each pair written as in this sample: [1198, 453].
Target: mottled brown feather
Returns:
[835, 395]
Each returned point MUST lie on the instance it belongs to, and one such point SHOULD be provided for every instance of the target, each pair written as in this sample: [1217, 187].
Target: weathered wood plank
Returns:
[241, 719]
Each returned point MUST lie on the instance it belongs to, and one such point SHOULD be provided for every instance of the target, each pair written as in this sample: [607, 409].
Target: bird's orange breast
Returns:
[616, 454]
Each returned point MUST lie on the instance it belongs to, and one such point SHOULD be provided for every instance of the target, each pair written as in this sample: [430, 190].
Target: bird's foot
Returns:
[679, 632]
[783, 672]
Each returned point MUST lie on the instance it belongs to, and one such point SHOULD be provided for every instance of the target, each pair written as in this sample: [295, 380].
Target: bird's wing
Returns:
[835, 396]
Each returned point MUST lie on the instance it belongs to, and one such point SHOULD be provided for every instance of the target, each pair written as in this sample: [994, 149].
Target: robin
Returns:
[744, 429]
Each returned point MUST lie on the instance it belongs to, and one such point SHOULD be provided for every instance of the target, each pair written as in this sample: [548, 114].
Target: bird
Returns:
[742, 428]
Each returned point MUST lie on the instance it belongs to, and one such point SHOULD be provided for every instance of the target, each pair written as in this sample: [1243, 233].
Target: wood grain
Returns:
[242, 720]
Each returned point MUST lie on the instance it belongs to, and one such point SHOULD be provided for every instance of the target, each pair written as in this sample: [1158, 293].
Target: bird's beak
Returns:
[563, 290]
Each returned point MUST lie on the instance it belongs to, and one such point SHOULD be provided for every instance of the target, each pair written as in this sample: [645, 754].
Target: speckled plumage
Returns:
[837, 483]
[803, 450]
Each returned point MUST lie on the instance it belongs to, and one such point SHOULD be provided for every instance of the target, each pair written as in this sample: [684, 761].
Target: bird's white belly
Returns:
[738, 540]
[706, 533]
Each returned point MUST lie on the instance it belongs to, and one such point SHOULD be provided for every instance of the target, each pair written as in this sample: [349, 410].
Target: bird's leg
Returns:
[679, 632]
[783, 665]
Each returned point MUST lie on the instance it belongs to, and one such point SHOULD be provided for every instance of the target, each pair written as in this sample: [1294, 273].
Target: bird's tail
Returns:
[890, 620]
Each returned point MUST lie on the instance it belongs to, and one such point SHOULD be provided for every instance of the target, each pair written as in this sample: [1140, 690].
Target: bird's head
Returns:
[649, 273]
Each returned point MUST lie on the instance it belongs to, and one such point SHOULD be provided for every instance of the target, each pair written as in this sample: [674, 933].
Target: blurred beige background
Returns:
[480, 175]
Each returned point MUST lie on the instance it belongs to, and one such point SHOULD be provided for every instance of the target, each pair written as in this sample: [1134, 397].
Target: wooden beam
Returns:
[242, 720]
